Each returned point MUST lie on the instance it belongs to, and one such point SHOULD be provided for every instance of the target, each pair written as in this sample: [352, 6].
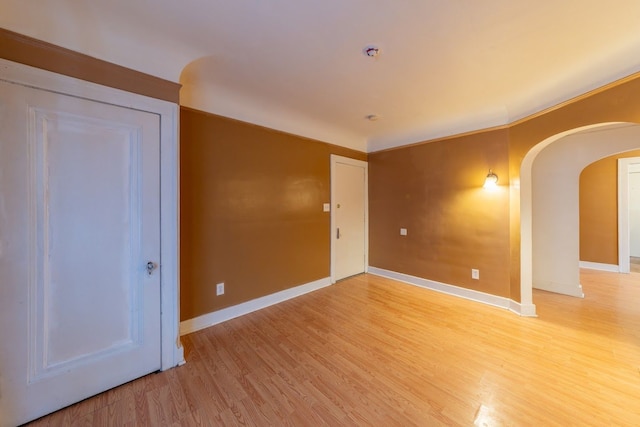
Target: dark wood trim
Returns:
[36, 53]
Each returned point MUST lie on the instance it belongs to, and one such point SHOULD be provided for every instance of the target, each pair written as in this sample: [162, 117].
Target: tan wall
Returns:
[435, 191]
[251, 211]
[599, 210]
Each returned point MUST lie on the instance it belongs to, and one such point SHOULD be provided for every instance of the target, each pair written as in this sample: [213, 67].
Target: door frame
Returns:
[15, 73]
[624, 244]
[335, 160]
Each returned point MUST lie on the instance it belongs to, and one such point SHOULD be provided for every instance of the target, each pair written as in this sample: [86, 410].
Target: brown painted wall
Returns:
[251, 211]
[599, 210]
[435, 191]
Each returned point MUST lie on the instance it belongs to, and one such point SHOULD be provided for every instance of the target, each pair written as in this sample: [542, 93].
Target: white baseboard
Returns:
[524, 310]
[482, 297]
[219, 316]
[612, 268]
[569, 289]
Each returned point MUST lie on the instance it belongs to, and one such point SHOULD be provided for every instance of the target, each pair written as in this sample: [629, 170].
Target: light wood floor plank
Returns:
[373, 351]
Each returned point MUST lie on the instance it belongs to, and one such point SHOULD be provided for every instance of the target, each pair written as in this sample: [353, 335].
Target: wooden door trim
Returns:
[335, 159]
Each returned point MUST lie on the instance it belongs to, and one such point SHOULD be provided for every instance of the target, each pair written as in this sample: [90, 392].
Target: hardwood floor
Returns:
[371, 351]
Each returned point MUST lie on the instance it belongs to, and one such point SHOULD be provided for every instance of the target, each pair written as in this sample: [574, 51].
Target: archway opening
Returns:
[549, 204]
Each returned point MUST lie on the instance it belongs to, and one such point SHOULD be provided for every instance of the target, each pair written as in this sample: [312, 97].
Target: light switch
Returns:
[403, 231]
[326, 207]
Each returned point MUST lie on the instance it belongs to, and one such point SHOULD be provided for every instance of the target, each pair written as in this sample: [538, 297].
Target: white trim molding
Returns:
[524, 310]
[569, 289]
[611, 268]
[219, 316]
[477, 296]
[623, 216]
[172, 350]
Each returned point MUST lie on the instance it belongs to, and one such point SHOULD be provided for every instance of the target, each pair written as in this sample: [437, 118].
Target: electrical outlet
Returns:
[403, 231]
[475, 274]
[220, 289]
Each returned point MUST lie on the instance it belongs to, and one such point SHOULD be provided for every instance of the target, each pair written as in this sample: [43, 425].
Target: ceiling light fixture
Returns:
[371, 51]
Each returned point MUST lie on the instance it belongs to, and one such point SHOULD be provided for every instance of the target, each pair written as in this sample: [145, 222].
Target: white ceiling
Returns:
[446, 66]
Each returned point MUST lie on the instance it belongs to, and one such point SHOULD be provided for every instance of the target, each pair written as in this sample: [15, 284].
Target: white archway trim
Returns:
[589, 152]
[526, 222]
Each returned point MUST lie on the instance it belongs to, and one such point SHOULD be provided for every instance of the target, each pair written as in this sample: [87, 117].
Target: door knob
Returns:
[150, 267]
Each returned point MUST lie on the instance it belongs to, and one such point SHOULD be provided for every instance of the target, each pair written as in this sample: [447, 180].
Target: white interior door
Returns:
[349, 214]
[79, 221]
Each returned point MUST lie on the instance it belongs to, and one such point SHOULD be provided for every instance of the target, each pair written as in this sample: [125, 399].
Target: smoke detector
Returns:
[371, 51]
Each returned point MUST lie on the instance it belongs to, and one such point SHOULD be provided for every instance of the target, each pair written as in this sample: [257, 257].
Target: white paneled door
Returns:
[79, 249]
[349, 204]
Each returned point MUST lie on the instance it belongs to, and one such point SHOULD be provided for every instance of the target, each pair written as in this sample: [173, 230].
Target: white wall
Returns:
[555, 210]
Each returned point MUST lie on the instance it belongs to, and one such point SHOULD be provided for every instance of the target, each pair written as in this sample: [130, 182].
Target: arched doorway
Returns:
[549, 179]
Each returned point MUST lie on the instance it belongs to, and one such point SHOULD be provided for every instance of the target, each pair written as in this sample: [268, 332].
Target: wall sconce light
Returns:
[491, 181]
